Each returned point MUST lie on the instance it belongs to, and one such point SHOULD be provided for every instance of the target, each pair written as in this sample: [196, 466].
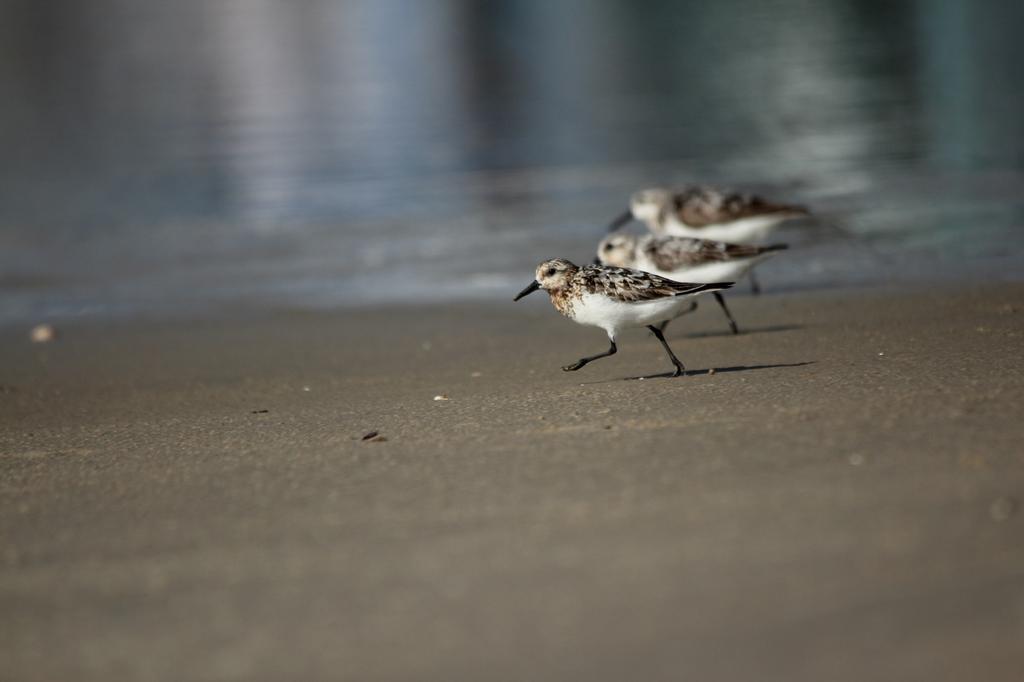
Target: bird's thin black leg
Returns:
[583, 361]
[680, 370]
[725, 309]
[755, 286]
[693, 306]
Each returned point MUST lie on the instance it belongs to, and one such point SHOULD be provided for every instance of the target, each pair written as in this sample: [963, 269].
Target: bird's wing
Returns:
[674, 253]
[701, 206]
[634, 286]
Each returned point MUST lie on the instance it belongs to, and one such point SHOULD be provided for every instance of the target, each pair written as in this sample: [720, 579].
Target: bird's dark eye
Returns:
[550, 272]
[608, 247]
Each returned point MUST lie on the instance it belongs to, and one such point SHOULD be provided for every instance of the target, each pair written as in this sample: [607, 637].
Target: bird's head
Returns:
[647, 204]
[551, 275]
[618, 249]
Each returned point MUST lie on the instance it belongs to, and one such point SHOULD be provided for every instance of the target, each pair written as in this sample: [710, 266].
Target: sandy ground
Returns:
[839, 500]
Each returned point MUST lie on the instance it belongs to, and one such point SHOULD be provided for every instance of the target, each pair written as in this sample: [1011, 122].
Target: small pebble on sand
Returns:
[711, 371]
[443, 396]
[476, 374]
[43, 333]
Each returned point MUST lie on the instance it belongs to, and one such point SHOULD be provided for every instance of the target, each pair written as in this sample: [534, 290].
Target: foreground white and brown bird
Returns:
[685, 259]
[704, 212]
[615, 299]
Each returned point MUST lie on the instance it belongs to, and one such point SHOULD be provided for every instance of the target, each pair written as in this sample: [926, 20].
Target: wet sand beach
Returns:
[838, 499]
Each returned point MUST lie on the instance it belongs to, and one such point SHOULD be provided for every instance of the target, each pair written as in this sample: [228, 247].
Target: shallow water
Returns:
[164, 156]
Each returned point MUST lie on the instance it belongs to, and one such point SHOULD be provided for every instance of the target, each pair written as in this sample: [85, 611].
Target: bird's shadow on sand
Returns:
[743, 331]
[705, 372]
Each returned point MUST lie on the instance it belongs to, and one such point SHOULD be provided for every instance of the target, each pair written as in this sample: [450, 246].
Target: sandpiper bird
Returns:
[685, 259]
[707, 213]
[614, 299]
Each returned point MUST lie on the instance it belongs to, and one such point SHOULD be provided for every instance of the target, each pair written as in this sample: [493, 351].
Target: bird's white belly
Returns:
[743, 231]
[611, 315]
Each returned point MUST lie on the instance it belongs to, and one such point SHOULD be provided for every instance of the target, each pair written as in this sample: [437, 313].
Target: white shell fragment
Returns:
[43, 333]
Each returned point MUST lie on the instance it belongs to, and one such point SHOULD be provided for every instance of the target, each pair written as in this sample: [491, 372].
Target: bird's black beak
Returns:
[597, 261]
[534, 285]
[621, 220]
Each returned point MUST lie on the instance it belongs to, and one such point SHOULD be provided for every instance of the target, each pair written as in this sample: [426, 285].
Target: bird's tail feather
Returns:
[716, 286]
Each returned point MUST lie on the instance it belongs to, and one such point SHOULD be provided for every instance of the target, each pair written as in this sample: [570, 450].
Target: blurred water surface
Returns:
[166, 155]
